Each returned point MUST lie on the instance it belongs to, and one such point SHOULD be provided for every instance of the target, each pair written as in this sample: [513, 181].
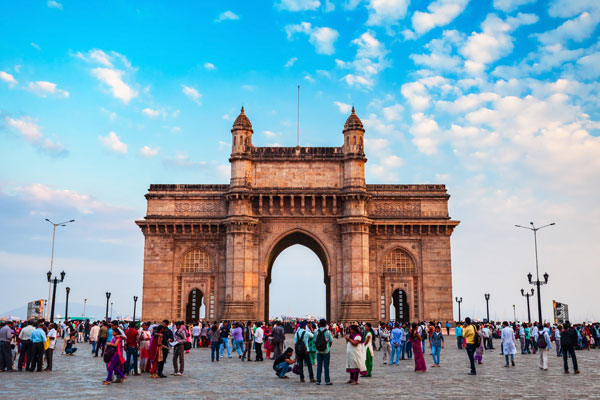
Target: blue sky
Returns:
[497, 99]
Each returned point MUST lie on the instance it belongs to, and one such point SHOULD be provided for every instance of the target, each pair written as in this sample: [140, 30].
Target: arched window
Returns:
[196, 260]
[234, 141]
[399, 261]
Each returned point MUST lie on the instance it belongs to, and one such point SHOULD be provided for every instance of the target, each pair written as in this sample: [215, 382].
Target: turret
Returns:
[241, 134]
[353, 135]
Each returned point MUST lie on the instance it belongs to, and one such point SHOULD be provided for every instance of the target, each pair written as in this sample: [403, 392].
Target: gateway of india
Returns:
[213, 246]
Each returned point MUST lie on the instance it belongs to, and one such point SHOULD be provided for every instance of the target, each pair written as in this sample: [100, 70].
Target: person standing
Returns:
[167, 338]
[248, 338]
[417, 347]
[102, 337]
[132, 342]
[238, 339]
[384, 336]
[196, 330]
[6, 359]
[259, 337]
[215, 338]
[447, 328]
[301, 338]
[469, 333]
[507, 338]
[437, 344]
[144, 347]
[355, 354]
[278, 337]
[458, 332]
[479, 349]
[323, 343]
[38, 337]
[93, 337]
[543, 344]
[368, 344]
[396, 344]
[52, 333]
[557, 332]
[117, 360]
[26, 346]
[225, 339]
[180, 337]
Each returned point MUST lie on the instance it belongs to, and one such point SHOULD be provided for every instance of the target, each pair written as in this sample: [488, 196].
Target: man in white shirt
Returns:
[51, 344]
[196, 335]
[94, 336]
[259, 335]
[26, 346]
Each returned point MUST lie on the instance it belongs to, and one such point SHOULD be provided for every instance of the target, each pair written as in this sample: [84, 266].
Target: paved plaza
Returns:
[81, 377]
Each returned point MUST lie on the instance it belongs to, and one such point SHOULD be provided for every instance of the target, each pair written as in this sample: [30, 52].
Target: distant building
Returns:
[35, 309]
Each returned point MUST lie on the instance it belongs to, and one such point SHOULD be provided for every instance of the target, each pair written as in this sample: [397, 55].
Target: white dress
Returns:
[508, 341]
[355, 356]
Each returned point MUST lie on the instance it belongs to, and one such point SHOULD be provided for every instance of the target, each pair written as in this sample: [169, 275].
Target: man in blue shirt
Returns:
[396, 345]
[458, 334]
[38, 338]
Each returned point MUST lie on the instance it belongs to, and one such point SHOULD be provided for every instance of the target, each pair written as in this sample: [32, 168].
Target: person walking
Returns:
[469, 334]
[238, 339]
[480, 349]
[458, 332]
[277, 339]
[323, 342]
[301, 338]
[437, 344]
[102, 337]
[507, 338]
[259, 338]
[115, 364]
[225, 329]
[542, 340]
[384, 336]
[355, 354]
[368, 344]
[6, 358]
[248, 338]
[396, 344]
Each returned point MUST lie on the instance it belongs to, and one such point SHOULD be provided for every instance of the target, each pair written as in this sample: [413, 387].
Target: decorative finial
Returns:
[353, 110]
[242, 109]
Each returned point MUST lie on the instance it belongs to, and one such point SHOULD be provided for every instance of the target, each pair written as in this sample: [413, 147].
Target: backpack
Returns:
[300, 346]
[541, 341]
[477, 338]
[423, 332]
[321, 341]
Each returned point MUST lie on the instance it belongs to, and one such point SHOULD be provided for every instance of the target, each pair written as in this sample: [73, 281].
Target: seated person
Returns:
[69, 349]
[283, 363]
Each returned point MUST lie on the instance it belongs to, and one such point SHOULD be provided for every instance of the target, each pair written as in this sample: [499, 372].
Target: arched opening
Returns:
[298, 257]
[399, 307]
[195, 309]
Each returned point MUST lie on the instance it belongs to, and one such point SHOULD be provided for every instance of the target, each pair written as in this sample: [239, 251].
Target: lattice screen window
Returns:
[195, 260]
[399, 262]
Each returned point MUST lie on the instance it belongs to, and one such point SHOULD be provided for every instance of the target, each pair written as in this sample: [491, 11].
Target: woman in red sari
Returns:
[155, 352]
[417, 350]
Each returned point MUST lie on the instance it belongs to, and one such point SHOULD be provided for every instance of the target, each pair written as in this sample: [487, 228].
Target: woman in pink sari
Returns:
[115, 365]
[417, 350]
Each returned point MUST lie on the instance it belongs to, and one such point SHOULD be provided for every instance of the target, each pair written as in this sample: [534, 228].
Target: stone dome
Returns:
[353, 123]
[242, 122]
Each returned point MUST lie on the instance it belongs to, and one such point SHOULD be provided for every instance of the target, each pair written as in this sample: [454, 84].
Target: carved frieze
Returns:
[200, 207]
[396, 209]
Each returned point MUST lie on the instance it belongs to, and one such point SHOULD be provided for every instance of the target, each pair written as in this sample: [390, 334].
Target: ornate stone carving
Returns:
[397, 209]
[208, 208]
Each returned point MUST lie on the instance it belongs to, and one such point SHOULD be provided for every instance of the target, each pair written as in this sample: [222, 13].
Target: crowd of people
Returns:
[133, 348]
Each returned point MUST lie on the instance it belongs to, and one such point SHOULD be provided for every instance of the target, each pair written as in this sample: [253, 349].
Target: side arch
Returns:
[304, 238]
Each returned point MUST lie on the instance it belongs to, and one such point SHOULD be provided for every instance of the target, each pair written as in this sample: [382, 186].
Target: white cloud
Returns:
[270, 134]
[209, 66]
[8, 78]
[148, 151]
[441, 12]
[571, 8]
[393, 112]
[32, 133]
[425, 131]
[576, 29]
[227, 16]
[309, 78]
[55, 4]
[368, 62]
[35, 46]
[150, 113]
[298, 5]
[322, 38]
[494, 42]
[416, 94]
[511, 5]
[182, 160]
[588, 66]
[192, 93]
[441, 51]
[45, 88]
[386, 12]
[63, 197]
[113, 79]
[343, 107]
[113, 143]
[290, 62]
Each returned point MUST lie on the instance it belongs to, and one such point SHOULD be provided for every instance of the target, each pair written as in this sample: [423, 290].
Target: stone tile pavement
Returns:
[81, 377]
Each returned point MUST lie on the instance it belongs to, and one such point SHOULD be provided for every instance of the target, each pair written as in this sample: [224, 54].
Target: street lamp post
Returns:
[67, 304]
[537, 282]
[84, 304]
[54, 281]
[52, 256]
[487, 305]
[107, 297]
[111, 317]
[528, 295]
[514, 314]
[459, 300]
[135, 299]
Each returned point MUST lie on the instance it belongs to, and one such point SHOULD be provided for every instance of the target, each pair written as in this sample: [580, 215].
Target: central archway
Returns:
[304, 239]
